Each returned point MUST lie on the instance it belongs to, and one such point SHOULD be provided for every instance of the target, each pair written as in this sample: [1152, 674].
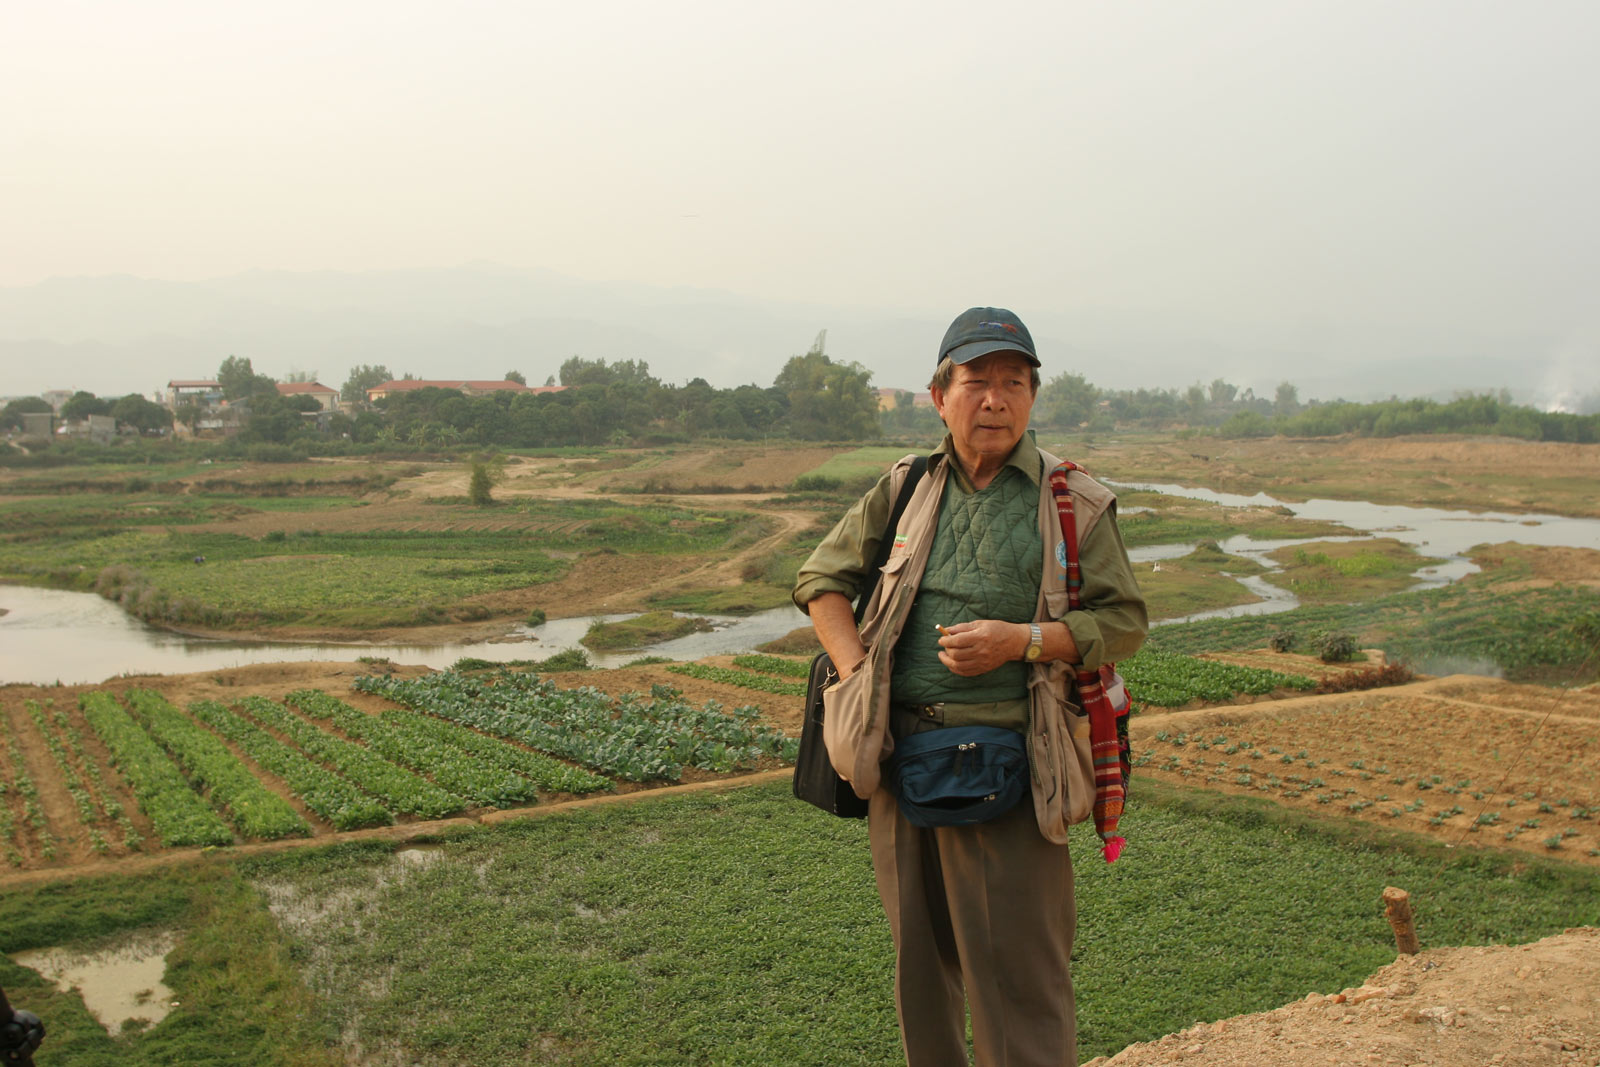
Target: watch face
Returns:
[1033, 652]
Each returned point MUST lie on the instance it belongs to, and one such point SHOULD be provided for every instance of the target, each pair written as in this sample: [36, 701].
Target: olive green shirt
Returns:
[1112, 622]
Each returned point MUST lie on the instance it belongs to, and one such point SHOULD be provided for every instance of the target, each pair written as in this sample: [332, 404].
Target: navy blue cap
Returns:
[979, 331]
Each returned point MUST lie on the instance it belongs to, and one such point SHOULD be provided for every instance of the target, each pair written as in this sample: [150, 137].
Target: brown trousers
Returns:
[984, 914]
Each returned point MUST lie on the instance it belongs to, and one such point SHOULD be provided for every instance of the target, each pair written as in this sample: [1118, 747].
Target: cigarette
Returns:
[941, 629]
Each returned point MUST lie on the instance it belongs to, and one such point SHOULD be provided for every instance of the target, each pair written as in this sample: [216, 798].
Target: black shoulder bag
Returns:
[815, 780]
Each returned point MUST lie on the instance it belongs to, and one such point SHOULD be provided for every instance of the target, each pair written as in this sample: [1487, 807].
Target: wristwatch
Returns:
[1035, 642]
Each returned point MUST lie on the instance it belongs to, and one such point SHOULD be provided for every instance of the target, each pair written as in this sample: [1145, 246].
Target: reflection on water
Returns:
[1444, 535]
[49, 635]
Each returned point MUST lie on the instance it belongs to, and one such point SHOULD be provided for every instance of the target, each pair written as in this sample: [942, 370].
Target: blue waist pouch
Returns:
[958, 775]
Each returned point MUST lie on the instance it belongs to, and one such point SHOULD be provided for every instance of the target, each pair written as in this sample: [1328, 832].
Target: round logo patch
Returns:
[1061, 554]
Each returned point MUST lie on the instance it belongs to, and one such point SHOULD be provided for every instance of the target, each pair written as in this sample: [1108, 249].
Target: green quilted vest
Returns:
[984, 565]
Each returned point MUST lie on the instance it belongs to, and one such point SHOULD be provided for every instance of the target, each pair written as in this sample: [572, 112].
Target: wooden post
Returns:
[1397, 908]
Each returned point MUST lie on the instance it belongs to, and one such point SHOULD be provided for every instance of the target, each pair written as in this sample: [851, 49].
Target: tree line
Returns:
[812, 398]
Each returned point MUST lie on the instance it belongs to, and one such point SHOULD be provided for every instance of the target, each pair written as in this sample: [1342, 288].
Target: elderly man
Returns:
[970, 626]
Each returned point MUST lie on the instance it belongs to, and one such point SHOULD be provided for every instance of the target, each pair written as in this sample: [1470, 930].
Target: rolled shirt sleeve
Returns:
[1112, 623]
[839, 564]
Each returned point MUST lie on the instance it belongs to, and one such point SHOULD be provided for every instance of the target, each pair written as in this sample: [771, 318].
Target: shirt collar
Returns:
[1025, 457]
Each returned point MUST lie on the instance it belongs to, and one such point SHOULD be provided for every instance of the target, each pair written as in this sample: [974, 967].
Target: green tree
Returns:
[362, 378]
[828, 401]
[11, 414]
[1066, 401]
[486, 474]
[83, 404]
[189, 414]
[516, 376]
[236, 377]
[1287, 401]
[143, 414]
[479, 488]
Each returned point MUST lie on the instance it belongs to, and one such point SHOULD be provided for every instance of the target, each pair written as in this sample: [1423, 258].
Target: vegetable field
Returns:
[111, 770]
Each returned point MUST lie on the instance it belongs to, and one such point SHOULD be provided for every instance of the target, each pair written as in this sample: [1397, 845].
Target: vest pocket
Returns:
[1079, 761]
[854, 743]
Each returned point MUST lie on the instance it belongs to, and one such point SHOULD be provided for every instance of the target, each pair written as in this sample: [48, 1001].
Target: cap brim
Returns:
[978, 349]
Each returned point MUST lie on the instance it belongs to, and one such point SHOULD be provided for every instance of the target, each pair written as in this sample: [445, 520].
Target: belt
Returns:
[1009, 714]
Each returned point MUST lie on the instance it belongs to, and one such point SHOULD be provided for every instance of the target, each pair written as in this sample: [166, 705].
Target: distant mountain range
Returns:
[119, 334]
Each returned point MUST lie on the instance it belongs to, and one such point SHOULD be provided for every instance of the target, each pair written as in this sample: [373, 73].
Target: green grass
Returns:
[1195, 583]
[1348, 571]
[651, 628]
[1547, 634]
[240, 998]
[374, 578]
[858, 466]
[739, 927]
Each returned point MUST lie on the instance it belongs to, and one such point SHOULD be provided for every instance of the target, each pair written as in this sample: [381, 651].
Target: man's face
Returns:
[987, 405]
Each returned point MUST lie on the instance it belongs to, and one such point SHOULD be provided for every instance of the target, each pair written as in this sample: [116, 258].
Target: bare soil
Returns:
[1477, 473]
[1473, 762]
[1510, 1005]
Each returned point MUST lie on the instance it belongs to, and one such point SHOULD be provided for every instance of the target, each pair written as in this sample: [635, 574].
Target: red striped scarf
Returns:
[1108, 724]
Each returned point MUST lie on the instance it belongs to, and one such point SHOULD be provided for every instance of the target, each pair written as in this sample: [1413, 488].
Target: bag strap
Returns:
[1105, 736]
[919, 467]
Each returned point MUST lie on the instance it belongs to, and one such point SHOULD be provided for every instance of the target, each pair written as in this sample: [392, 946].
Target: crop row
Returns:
[789, 668]
[1169, 680]
[33, 815]
[325, 793]
[90, 810]
[396, 787]
[131, 838]
[632, 737]
[447, 765]
[179, 815]
[256, 812]
[545, 771]
[761, 683]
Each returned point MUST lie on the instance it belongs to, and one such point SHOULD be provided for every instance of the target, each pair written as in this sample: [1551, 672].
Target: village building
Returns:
[328, 398]
[203, 393]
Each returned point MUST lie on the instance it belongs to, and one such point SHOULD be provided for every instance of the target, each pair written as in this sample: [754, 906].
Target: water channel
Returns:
[49, 636]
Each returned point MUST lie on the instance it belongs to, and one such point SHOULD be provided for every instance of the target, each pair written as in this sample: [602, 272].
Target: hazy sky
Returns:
[1338, 171]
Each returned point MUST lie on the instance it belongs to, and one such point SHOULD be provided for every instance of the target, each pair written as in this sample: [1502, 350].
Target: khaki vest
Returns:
[855, 727]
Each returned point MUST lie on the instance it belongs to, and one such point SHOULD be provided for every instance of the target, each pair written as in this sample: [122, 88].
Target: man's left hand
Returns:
[974, 648]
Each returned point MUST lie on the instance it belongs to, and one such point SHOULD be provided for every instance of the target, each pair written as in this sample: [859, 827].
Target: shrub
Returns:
[1371, 678]
[536, 617]
[1282, 641]
[1335, 646]
[573, 659]
[480, 486]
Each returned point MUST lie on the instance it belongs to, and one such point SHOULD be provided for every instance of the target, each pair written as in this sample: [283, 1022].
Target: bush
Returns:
[479, 486]
[1371, 678]
[1282, 641]
[536, 617]
[1335, 646]
[573, 659]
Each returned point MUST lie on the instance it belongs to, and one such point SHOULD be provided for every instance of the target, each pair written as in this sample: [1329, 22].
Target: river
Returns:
[49, 636]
